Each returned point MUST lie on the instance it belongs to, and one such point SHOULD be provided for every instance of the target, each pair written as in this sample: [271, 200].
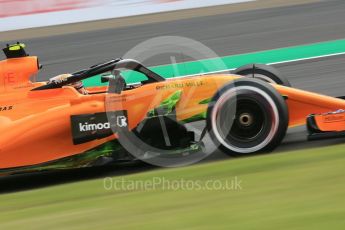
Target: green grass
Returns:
[294, 190]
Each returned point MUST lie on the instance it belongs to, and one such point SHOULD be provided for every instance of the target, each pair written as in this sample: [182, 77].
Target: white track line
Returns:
[273, 63]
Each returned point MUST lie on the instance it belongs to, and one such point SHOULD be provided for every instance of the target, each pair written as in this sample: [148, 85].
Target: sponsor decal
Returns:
[6, 108]
[180, 85]
[92, 127]
[89, 127]
[10, 78]
[118, 99]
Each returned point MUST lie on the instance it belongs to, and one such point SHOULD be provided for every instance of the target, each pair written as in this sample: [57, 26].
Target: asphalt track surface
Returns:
[235, 33]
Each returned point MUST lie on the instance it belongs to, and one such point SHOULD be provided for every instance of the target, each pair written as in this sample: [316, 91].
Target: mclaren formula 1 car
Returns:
[52, 125]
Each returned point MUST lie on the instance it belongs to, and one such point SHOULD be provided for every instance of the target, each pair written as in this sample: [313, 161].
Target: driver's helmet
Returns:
[79, 86]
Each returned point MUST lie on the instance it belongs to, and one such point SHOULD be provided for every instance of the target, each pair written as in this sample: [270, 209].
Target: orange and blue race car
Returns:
[60, 124]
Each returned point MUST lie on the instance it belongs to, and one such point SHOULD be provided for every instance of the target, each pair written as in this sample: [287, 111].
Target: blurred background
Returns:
[20, 14]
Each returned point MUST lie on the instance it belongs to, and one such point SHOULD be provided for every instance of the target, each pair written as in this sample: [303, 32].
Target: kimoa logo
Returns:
[84, 127]
[93, 127]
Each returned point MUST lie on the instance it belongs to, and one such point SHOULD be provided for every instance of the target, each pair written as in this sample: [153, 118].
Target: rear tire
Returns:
[246, 117]
[263, 72]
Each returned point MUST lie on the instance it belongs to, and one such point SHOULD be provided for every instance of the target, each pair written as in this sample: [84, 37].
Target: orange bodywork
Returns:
[35, 126]
[330, 122]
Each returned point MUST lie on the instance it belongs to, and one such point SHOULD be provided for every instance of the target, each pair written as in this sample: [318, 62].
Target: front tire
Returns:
[246, 117]
[264, 73]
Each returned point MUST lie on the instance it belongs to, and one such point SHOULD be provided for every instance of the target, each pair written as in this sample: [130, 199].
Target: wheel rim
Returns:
[233, 136]
[249, 120]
